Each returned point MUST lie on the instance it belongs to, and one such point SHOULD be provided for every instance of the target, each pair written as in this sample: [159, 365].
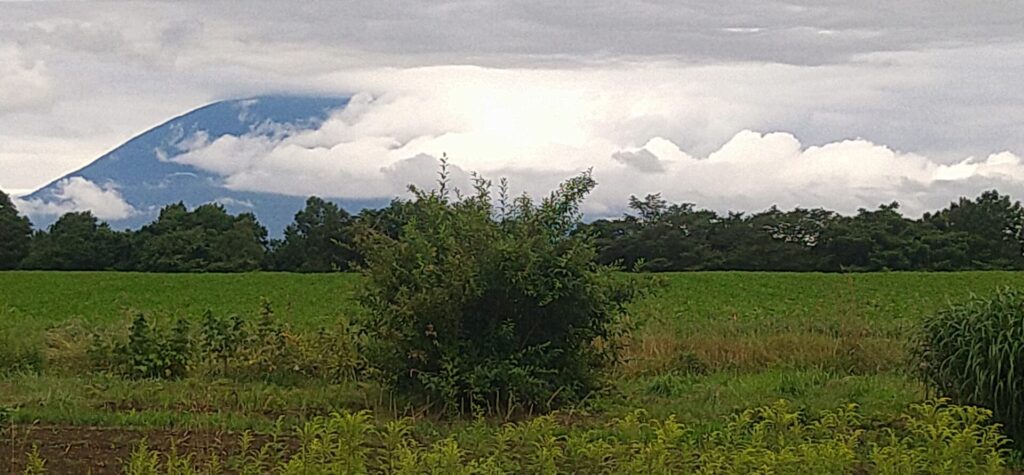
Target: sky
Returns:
[731, 105]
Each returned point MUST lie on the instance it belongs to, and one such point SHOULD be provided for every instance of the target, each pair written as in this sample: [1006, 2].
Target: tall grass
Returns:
[974, 353]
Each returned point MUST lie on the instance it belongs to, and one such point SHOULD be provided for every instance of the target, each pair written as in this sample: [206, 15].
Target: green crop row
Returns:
[932, 437]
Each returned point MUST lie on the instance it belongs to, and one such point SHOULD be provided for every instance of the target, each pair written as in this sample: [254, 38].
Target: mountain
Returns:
[145, 175]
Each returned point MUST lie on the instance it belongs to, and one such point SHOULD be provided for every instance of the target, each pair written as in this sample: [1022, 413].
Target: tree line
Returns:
[983, 233]
[204, 239]
[986, 232]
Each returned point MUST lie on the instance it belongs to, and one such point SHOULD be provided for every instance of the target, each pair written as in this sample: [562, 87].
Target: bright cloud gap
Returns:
[374, 149]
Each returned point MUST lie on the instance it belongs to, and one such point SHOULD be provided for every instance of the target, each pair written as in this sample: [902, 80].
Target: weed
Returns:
[35, 465]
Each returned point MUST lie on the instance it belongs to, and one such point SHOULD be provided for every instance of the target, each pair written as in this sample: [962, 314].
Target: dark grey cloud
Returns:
[793, 32]
[642, 160]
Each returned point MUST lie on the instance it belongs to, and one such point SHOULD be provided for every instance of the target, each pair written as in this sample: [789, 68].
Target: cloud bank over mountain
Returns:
[538, 129]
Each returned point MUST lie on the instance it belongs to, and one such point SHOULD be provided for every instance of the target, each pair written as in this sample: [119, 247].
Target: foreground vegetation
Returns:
[509, 313]
[705, 348]
[931, 438]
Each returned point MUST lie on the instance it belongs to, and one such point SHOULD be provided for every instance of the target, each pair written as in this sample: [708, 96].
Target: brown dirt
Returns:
[103, 450]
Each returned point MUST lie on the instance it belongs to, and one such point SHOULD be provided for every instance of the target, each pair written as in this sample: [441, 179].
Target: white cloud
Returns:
[79, 194]
[24, 84]
[30, 161]
[1005, 166]
[753, 170]
[16, 192]
[539, 127]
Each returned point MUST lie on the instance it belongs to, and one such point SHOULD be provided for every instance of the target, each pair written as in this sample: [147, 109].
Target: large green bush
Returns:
[973, 352]
[486, 306]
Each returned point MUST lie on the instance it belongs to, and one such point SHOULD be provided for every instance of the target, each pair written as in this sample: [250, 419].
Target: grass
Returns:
[189, 404]
[768, 301]
[691, 299]
[707, 345]
[100, 298]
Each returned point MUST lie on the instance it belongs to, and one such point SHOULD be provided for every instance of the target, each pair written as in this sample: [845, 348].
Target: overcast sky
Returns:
[729, 104]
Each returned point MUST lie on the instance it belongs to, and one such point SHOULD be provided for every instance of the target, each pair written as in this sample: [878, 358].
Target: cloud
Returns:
[78, 194]
[24, 84]
[538, 132]
[549, 93]
[16, 192]
[234, 205]
[642, 160]
[531, 32]
[754, 170]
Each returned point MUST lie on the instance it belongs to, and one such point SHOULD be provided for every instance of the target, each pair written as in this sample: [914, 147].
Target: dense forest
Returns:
[981, 233]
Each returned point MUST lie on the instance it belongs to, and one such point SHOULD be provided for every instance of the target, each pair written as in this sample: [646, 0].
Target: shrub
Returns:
[973, 352]
[478, 306]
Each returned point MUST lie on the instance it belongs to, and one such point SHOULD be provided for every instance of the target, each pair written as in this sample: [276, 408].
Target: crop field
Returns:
[703, 348]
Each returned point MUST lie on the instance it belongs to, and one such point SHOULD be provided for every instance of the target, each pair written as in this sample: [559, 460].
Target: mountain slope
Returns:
[142, 173]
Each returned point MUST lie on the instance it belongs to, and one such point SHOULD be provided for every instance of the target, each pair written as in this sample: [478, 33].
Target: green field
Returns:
[101, 296]
[706, 345]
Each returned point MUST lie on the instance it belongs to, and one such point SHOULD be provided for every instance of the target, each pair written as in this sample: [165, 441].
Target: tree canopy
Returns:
[320, 240]
[986, 232]
[205, 239]
[78, 241]
[15, 231]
